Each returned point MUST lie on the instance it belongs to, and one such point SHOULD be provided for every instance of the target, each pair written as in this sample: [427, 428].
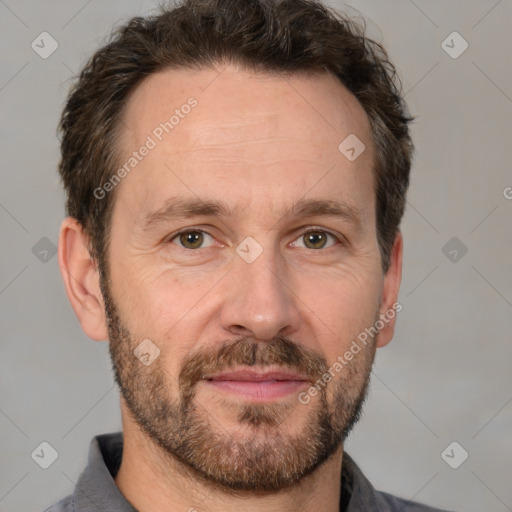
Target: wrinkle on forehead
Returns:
[239, 102]
[249, 136]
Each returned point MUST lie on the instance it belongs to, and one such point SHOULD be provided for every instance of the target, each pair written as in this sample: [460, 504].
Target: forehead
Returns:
[255, 135]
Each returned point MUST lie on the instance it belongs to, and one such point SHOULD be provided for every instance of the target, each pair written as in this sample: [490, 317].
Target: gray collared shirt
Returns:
[97, 491]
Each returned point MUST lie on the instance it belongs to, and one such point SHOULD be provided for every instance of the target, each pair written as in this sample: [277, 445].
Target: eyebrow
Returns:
[182, 208]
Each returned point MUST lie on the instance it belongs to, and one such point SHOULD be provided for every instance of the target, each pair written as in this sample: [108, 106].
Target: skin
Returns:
[259, 143]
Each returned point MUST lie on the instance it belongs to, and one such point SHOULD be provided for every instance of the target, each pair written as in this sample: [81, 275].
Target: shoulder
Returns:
[365, 497]
[389, 503]
[64, 505]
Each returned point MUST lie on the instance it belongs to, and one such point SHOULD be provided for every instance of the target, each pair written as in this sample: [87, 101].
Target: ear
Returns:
[81, 278]
[390, 306]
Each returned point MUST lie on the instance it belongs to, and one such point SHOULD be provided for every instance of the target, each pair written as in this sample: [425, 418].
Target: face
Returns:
[244, 248]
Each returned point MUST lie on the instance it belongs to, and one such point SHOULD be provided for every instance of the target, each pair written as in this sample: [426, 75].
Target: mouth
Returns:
[254, 385]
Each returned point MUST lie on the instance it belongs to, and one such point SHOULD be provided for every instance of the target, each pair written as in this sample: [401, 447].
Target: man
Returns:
[236, 175]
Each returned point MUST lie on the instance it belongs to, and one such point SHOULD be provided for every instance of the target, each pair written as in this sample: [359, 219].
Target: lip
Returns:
[256, 385]
[256, 376]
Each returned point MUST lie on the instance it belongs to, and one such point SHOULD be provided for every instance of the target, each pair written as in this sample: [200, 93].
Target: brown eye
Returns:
[193, 239]
[316, 239]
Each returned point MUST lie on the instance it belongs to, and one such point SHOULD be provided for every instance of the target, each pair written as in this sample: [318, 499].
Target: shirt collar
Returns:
[96, 489]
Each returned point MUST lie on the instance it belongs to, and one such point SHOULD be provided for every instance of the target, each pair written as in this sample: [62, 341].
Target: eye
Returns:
[316, 239]
[191, 239]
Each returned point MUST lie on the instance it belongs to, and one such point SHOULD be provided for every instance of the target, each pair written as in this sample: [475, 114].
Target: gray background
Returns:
[446, 375]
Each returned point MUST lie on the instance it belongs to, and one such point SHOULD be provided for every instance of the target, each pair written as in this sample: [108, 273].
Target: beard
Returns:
[260, 455]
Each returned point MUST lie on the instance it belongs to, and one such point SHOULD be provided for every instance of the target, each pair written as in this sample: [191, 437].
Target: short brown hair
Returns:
[275, 36]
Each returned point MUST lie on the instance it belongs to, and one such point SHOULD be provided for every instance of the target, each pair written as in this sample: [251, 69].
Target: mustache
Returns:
[279, 351]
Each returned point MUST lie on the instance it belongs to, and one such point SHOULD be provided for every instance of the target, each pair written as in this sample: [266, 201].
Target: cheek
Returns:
[166, 307]
[150, 295]
[341, 307]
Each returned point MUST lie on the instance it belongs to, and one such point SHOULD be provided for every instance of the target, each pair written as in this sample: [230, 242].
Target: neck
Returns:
[154, 481]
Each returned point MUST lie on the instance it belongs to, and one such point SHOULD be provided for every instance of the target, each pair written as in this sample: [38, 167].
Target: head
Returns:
[236, 174]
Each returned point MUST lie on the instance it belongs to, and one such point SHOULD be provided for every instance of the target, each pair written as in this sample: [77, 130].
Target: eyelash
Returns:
[305, 232]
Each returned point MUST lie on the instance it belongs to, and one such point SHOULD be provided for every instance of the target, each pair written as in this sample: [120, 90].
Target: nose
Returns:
[260, 302]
